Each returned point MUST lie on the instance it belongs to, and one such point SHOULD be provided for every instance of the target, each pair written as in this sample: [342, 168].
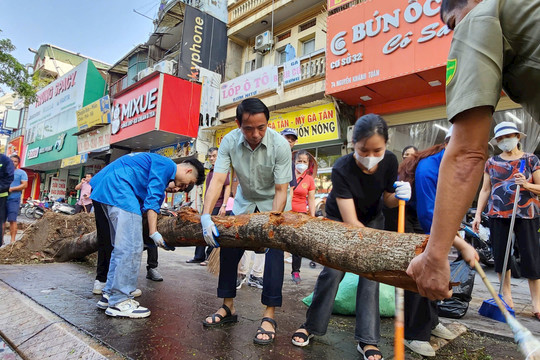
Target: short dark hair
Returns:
[198, 167]
[449, 5]
[369, 125]
[88, 174]
[16, 157]
[212, 149]
[251, 106]
[407, 148]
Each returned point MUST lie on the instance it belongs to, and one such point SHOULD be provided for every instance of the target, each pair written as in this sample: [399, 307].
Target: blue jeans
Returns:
[127, 241]
[368, 320]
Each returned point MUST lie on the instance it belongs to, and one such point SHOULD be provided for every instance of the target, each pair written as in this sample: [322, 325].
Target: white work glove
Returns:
[158, 240]
[403, 190]
[209, 230]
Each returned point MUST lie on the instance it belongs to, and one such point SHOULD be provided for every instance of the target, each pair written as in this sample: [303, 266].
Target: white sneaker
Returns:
[136, 293]
[98, 287]
[442, 332]
[128, 308]
[103, 303]
[289, 260]
[423, 348]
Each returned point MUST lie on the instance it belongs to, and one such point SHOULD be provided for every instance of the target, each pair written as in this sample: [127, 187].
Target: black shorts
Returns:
[527, 240]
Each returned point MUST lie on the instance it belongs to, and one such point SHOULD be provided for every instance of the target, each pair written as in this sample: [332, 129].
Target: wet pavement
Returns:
[188, 295]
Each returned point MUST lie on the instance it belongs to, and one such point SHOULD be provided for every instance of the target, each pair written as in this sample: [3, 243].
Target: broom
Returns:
[528, 345]
[399, 322]
[213, 261]
[490, 307]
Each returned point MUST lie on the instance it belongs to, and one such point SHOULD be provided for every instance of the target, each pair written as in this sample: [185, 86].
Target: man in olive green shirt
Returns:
[496, 46]
[261, 158]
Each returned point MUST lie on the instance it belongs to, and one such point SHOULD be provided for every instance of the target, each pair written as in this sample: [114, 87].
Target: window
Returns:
[307, 25]
[308, 46]
[281, 56]
[284, 36]
[136, 63]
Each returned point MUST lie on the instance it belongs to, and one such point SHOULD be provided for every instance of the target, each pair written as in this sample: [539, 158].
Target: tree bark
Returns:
[375, 254]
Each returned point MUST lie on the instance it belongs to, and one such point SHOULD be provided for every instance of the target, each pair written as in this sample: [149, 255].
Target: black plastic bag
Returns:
[456, 307]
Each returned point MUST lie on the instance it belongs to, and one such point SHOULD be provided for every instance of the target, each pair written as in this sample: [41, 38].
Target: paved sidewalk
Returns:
[181, 301]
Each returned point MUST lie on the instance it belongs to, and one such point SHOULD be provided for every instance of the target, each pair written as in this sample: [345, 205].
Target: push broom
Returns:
[490, 307]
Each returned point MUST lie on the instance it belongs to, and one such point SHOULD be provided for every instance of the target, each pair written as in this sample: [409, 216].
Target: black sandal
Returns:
[271, 334]
[228, 318]
[302, 336]
[370, 352]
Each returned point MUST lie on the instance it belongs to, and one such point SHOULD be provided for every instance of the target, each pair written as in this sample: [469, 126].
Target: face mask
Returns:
[508, 144]
[368, 161]
[301, 168]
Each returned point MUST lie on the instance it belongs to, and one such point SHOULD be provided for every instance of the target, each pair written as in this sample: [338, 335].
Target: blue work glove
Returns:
[403, 190]
[158, 240]
[209, 230]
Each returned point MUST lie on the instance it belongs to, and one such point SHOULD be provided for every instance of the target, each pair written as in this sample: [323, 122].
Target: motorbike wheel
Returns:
[29, 212]
[38, 213]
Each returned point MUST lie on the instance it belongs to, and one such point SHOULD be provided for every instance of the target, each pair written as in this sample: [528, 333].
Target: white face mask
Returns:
[301, 168]
[368, 161]
[508, 144]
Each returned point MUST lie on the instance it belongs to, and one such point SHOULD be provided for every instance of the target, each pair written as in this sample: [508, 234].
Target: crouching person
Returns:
[127, 188]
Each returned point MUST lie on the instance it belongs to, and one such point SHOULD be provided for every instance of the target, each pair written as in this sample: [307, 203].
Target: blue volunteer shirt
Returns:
[18, 176]
[135, 182]
[425, 180]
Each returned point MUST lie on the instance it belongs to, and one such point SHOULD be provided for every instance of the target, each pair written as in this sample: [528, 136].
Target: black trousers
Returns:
[200, 253]
[105, 247]
[3, 215]
[527, 239]
[81, 208]
[421, 316]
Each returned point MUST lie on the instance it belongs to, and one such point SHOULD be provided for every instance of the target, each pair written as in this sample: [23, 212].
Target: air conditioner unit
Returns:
[145, 72]
[264, 41]
[349, 137]
[165, 66]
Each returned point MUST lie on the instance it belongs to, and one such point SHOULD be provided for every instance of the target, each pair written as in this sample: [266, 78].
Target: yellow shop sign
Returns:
[315, 124]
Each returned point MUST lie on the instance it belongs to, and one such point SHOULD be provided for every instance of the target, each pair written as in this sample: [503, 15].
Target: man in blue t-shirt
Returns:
[127, 188]
[20, 182]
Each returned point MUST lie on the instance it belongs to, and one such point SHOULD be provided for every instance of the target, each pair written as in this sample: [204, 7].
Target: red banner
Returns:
[14, 147]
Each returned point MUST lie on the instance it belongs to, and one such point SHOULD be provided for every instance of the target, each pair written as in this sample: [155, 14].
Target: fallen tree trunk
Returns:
[374, 254]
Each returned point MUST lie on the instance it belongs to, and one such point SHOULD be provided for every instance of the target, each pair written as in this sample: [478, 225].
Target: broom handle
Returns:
[511, 229]
[399, 325]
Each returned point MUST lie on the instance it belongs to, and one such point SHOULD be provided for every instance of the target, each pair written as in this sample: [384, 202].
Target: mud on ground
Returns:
[45, 240]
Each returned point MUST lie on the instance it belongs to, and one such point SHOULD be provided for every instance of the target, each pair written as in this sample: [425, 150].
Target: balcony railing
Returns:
[118, 86]
[312, 65]
[241, 8]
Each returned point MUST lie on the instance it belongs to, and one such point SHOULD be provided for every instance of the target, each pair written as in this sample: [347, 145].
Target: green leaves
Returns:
[13, 74]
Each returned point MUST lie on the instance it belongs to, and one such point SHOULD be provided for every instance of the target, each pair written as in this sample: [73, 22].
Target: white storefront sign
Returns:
[96, 140]
[292, 71]
[58, 188]
[251, 84]
[56, 104]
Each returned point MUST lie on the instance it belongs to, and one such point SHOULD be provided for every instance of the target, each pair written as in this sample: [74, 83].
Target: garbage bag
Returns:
[345, 302]
[456, 307]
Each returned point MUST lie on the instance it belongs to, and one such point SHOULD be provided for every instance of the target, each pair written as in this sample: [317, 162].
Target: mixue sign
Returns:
[134, 108]
[378, 40]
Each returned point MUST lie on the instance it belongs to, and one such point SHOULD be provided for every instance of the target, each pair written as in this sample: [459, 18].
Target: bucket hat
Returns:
[505, 128]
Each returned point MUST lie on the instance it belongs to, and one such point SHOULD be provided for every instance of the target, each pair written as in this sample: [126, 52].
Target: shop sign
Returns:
[209, 97]
[251, 84]
[378, 40]
[54, 110]
[32, 153]
[96, 113]
[95, 140]
[14, 147]
[181, 149]
[332, 4]
[137, 106]
[220, 133]
[58, 188]
[291, 71]
[74, 160]
[204, 44]
[315, 124]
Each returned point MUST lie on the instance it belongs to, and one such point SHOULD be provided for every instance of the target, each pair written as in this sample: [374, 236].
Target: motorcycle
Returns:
[63, 208]
[34, 209]
[480, 241]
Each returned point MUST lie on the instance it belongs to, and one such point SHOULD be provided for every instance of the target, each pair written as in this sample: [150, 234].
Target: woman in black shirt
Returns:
[361, 183]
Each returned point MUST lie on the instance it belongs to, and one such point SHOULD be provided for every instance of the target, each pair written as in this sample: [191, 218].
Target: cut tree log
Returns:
[375, 254]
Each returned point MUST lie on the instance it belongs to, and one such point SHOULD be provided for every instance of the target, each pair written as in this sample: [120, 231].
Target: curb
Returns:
[36, 333]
